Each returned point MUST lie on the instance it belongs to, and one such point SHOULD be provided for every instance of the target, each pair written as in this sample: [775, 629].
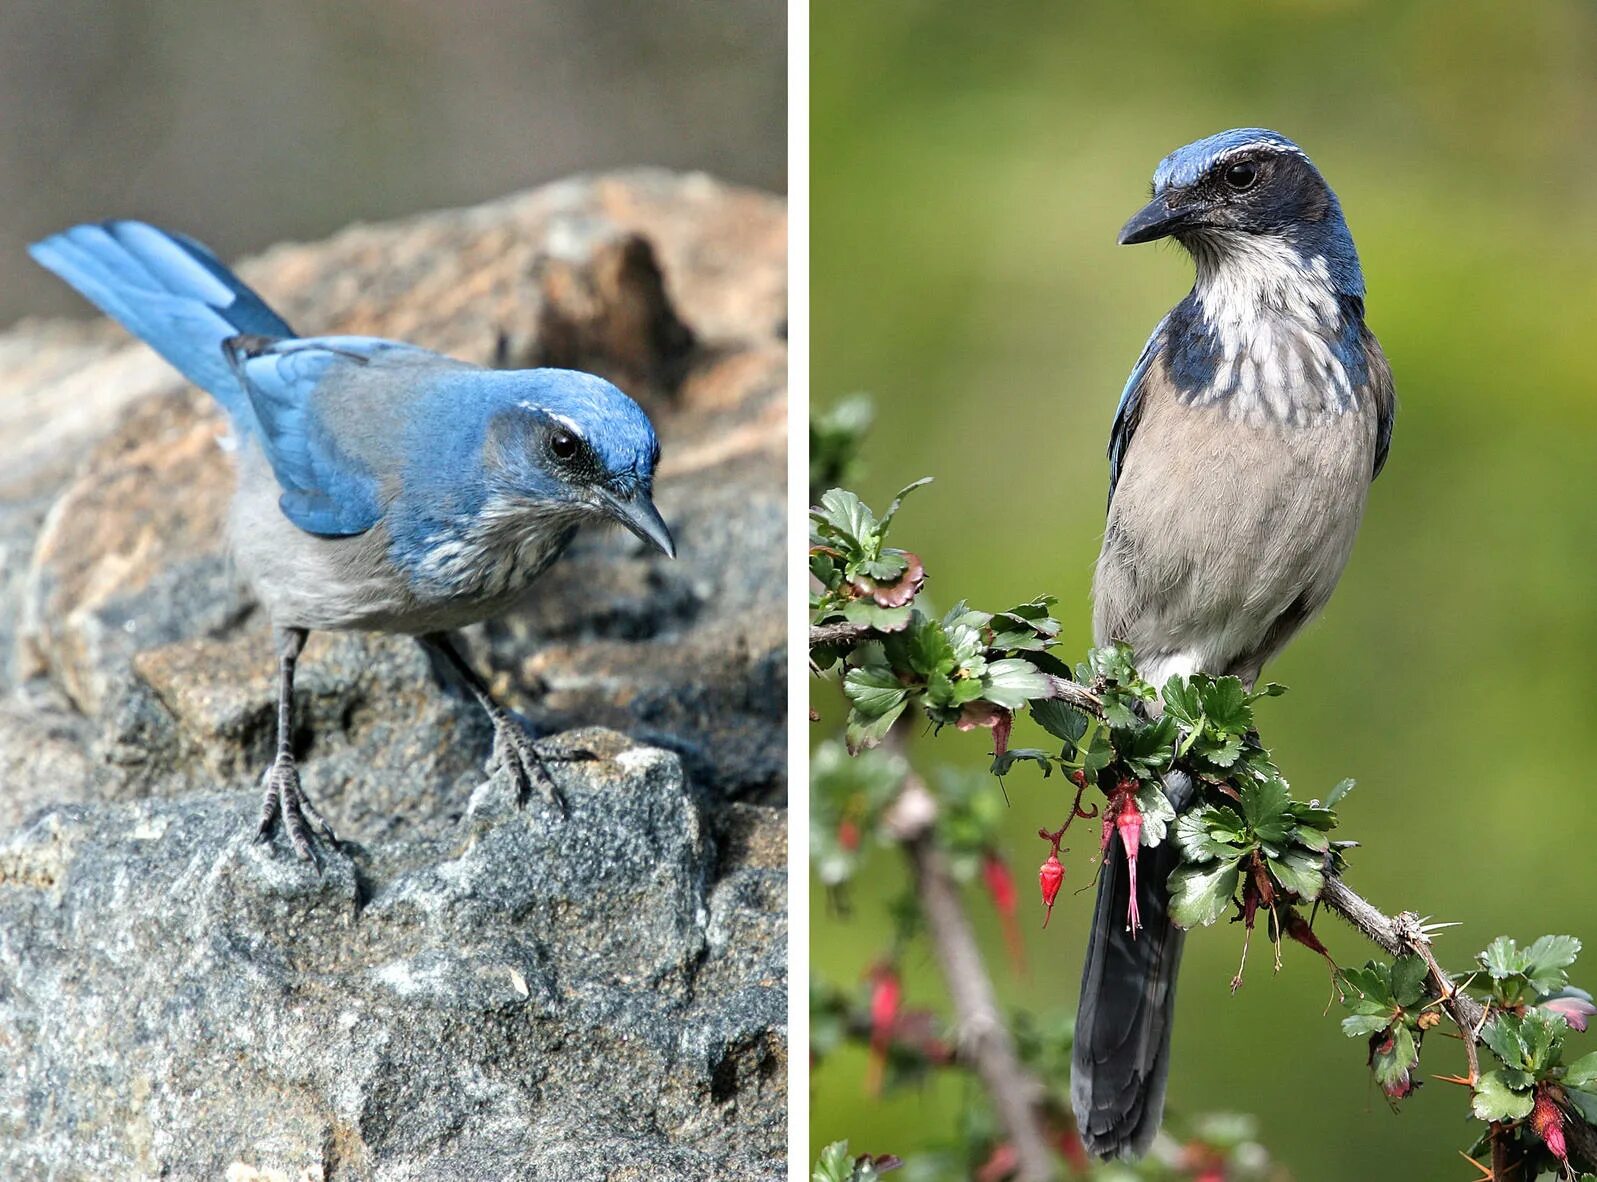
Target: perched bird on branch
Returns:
[1241, 454]
[381, 487]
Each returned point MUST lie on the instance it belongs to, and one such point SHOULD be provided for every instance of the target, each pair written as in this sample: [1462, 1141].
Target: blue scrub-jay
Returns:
[1242, 450]
[381, 486]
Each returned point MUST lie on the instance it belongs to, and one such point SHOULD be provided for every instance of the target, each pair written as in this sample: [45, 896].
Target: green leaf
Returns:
[1408, 980]
[867, 613]
[1495, 1100]
[1364, 1025]
[1199, 895]
[1336, 794]
[1059, 720]
[862, 733]
[1373, 983]
[1546, 960]
[1002, 764]
[1264, 807]
[1542, 1032]
[835, 1164]
[1503, 959]
[1225, 703]
[898, 503]
[1301, 872]
[1209, 833]
[928, 648]
[1501, 1034]
[874, 689]
[848, 518]
[886, 567]
[1390, 1066]
[1012, 683]
[1582, 1073]
[1181, 701]
[1156, 810]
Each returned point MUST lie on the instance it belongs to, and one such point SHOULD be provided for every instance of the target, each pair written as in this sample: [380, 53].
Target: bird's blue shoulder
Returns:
[327, 490]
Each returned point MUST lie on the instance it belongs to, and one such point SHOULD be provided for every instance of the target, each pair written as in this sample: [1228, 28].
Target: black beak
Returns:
[638, 514]
[1153, 221]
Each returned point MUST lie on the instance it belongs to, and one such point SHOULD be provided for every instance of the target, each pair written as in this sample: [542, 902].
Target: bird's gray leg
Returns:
[513, 747]
[284, 796]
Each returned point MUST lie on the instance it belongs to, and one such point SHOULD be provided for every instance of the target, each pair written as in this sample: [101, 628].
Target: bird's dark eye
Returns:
[563, 444]
[1241, 175]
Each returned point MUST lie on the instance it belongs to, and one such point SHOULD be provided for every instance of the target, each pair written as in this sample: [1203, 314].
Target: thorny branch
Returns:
[1014, 1090]
[1404, 935]
[983, 1039]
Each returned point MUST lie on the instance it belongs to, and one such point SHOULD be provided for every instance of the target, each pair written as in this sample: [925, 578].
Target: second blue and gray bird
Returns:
[1242, 451]
[381, 486]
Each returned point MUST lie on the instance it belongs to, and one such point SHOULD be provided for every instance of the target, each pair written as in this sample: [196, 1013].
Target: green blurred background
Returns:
[971, 165]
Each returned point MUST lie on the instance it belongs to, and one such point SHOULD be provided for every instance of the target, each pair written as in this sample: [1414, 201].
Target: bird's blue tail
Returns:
[169, 291]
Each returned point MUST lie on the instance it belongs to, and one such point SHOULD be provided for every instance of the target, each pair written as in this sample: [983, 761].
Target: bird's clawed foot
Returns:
[286, 799]
[515, 751]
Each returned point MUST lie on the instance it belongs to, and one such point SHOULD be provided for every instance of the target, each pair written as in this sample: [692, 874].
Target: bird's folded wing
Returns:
[1130, 408]
[326, 490]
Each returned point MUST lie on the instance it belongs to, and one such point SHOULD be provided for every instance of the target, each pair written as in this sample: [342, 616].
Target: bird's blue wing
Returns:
[326, 491]
[1130, 408]
[168, 290]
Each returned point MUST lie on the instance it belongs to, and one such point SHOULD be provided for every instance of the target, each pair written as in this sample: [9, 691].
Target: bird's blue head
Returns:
[576, 447]
[1246, 195]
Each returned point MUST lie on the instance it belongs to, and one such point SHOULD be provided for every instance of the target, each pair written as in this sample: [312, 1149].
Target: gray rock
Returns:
[467, 990]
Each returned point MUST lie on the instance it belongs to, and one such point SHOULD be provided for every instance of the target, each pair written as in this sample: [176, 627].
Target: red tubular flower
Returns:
[1001, 1164]
[887, 995]
[1049, 878]
[848, 834]
[1547, 1121]
[1128, 823]
[1001, 887]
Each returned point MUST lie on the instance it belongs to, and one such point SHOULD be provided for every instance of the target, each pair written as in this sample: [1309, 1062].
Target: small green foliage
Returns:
[1246, 844]
[835, 438]
[1199, 895]
[847, 797]
[837, 1164]
[1527, 1036]
[1517, 973]
[1494, 1099]
[1388, 1008]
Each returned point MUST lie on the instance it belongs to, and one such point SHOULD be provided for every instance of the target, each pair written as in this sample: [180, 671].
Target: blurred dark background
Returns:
[972, 165]
[243, 124]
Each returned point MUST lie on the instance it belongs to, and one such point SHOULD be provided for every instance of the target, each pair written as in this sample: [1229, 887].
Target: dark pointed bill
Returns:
[638, 514]
[1153, 221]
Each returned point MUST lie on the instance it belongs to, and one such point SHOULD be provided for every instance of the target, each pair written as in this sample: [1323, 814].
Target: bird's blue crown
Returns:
[1186, 165]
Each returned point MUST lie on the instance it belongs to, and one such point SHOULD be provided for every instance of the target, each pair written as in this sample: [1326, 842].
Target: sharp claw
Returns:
[286, 802]
[520, 755]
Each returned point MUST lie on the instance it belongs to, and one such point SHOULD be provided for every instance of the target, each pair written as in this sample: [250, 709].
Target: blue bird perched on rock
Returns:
[1241, 455]
[381, 486]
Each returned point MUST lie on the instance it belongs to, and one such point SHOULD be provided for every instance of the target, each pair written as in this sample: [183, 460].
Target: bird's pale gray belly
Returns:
[337, 584]
[1223, 538]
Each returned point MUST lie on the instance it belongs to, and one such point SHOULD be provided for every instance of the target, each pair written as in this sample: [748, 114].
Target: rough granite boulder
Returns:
[469, 990]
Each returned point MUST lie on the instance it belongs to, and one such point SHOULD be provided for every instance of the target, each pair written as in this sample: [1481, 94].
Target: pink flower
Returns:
[1574, 1010]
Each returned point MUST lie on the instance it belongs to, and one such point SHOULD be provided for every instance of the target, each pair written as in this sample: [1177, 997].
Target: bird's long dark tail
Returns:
[1121, 1062]
[168, 290]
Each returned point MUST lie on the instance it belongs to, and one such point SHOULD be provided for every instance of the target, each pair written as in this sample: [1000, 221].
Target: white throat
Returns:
[1274, 316]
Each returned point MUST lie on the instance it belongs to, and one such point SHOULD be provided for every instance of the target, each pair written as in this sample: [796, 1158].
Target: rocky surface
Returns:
[468, 991]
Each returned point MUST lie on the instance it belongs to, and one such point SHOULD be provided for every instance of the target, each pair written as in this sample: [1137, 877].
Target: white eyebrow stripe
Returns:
[1254, 145]
[570, 424]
